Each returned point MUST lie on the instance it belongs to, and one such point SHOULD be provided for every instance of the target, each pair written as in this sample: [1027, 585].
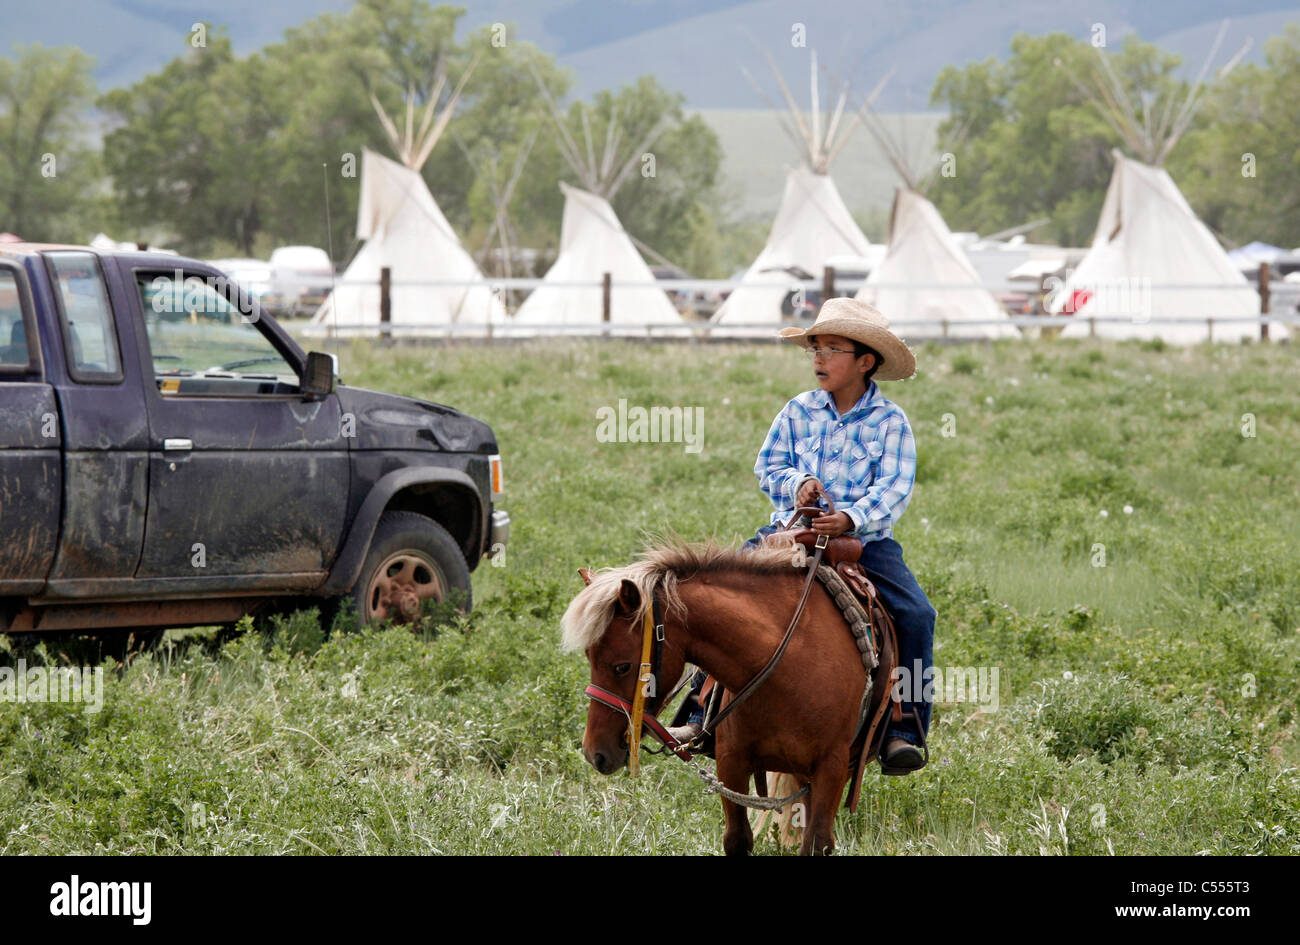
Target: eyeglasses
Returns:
[825, 353]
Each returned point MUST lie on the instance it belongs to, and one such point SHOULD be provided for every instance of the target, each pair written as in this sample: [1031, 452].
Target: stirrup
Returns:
[923, 748]
[686, 733]
[704, 744]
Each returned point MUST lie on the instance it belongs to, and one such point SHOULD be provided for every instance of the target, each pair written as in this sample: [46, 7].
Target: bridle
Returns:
[652, 649]
[652, 642]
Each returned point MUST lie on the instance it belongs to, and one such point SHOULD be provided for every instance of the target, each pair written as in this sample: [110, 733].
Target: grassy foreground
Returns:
[1091, 520]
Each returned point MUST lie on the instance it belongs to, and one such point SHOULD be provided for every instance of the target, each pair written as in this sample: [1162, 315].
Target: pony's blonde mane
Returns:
[661, 566]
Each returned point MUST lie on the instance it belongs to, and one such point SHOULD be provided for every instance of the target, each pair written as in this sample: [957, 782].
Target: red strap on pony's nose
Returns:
[606, 698]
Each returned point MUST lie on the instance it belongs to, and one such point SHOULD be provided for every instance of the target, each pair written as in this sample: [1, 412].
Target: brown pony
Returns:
[725, 610]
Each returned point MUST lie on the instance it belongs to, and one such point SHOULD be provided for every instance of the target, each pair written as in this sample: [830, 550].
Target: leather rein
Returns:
[652, 641]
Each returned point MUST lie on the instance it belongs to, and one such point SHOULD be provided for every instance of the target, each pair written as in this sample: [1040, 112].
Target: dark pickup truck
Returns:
[169, 457]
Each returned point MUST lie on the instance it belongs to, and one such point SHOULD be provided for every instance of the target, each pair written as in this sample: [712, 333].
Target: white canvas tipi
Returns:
[593, 241]
[1153, 265]
[406, 232]
[1148, 257]
[812, 224]
[925, 278]
[911, 284]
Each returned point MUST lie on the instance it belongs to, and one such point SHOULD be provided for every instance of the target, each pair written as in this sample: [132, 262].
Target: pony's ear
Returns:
[629, 598]
[585, 574]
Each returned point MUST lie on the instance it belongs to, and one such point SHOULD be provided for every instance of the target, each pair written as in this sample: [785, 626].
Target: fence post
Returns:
[1263, 300]
[828, 284]
[385, 295]
[1209, 329]
[944, 323]
[1092, 326]
[606, 289]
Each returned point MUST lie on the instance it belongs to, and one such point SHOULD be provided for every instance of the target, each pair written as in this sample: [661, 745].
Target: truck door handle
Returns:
[177, 443]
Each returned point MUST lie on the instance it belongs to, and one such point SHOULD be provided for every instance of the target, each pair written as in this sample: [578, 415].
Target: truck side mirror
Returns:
[318, 374]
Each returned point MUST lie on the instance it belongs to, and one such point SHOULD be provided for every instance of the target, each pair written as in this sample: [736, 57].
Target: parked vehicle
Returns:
[164, 467]
[301, 277]
[692, 303]
[254, 276]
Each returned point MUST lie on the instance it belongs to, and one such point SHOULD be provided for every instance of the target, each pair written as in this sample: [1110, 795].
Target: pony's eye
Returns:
[622, 669]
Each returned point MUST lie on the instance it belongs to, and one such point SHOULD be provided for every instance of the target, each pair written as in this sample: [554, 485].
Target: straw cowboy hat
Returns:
[861, 322]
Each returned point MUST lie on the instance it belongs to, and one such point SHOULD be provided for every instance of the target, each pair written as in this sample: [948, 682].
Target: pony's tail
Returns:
[789, 821]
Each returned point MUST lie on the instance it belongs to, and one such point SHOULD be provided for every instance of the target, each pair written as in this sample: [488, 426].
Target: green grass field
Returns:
[1146, 706]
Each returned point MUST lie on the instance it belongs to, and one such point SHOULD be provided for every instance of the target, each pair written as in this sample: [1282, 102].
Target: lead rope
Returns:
[714, 786]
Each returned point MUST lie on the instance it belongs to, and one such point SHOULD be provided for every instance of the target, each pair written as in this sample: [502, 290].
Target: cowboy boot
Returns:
[684, 733]
[901, 757]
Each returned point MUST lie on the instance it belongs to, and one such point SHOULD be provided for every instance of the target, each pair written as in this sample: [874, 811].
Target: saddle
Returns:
[841, 550]
[843, 554]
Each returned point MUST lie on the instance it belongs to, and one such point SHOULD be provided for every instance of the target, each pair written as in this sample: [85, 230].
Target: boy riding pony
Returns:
[845, 442]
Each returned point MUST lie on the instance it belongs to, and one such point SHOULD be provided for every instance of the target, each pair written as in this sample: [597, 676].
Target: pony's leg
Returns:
[760, 788]
[827, 788]
[788, 822]
[737, 839]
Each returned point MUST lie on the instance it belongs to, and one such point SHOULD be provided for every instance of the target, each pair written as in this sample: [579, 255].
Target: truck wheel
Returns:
[411, 559]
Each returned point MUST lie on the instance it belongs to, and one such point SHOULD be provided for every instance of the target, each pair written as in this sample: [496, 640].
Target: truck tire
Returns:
[411, 559]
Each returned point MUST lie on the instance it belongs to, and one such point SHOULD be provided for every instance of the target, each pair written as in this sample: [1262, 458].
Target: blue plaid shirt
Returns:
[866, 459]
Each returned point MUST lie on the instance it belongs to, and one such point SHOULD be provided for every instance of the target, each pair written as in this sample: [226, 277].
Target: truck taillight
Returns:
[498, 481]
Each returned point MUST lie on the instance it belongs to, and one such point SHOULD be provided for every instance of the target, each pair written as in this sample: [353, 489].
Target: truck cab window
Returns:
[203, 343]
[89, 338]
[15, 350]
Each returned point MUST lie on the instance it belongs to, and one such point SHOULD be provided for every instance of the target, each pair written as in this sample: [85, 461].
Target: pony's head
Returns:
[605, 621]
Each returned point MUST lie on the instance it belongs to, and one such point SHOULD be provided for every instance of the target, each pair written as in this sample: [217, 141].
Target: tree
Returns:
[1241, 167]
[502, 112]
[1029, 142]
[191, 149]
[323, 129]
[49, 175]
[242, 153]
[667, 200]
[230, 152]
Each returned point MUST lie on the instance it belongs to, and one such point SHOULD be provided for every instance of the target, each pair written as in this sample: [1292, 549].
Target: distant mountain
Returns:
[698, 47]
[861, 40]
[694, 46]
[131, 38]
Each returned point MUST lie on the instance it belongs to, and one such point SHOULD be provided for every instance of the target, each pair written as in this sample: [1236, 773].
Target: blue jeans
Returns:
[913, 615]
